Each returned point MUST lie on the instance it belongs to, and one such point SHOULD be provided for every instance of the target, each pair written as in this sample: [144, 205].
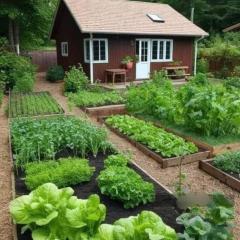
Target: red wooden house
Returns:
[98, 34]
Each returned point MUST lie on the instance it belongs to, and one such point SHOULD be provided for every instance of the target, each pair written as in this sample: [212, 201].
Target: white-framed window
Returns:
[64, 49]
[100, 50]
[162, 50]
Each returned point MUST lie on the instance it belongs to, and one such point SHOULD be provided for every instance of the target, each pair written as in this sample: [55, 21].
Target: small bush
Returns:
[24, 83]
[75, 79]
[55, 73]
[236, 71]
[202, 66]
[232, 82]
[200, 79]
[63, 173]
[228, 162]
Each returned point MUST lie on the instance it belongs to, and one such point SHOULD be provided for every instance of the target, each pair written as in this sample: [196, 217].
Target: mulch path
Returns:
[5, 176]
[197, 180]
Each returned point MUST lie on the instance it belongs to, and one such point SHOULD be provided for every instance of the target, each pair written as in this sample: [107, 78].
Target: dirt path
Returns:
[5, 177]
[197, 180]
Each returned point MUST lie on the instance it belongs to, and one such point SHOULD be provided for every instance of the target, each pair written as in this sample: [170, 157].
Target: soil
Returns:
[164, 205]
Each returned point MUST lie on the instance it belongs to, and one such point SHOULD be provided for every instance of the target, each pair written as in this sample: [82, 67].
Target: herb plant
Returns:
[213, 222]
[33, 104]
[124, 184]
[119, 160]
[41, 139]
[63, 173]
[157, 139]
[52, 213]
[228, 162]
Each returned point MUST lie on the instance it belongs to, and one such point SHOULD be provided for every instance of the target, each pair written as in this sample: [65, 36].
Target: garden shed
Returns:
[99, 34]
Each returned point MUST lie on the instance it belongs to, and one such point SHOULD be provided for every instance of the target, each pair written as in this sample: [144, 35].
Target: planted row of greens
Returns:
[157, 139]
[33, 104]
[88, 98]
[52, 213]
[121, 183]
[228, 162]
[41, 139]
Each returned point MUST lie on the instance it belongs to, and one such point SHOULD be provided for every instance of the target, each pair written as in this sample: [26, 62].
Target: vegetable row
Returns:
[155, 138]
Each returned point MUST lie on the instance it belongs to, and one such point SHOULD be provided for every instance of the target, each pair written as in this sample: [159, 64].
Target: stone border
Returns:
[223, 177]
[165, 162]
[105, 110]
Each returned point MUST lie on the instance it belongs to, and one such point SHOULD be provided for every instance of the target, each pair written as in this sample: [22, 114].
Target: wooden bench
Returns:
[114, 72]
[172, 72]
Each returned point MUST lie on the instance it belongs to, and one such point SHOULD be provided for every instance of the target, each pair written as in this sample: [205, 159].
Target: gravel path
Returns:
[5, 177]
[197, 180]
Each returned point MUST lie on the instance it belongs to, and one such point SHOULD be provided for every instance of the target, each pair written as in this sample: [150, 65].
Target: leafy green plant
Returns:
[124, 184]
[52, 213]
[157, 139]
[202, 66]
[40, 139]
[32, 104]
[24, 84]
[228, 162]
[209, 109]
[89, 98]
[63, 173]
[118, 160]
[232, 82]
[145, 226]
[156, 98]
[75, 79]
[55, 73]
[213, 222]
[128, 59]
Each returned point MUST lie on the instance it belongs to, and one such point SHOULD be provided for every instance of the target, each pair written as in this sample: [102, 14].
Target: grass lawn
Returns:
[214, 141]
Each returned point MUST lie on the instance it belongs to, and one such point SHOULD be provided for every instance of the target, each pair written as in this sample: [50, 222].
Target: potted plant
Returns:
[128, 61]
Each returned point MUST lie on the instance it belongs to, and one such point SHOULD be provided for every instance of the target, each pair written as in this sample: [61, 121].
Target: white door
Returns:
[143, 53]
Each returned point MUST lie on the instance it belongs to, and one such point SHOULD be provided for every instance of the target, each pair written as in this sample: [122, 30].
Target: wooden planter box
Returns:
[165, 162]
[223, 177]
[105, 110]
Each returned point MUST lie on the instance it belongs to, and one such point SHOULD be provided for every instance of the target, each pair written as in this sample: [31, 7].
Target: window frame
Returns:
[85, 50]
[164, 50]
[63, 45]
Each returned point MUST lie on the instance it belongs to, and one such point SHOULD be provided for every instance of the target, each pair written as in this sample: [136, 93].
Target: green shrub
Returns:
[125, 185]
[55, 73]
[212, 222]
[52, 213]
[119, 160]
[202, 66]
[36, 140]
[200, 79]
[236, 71]
[228, 162]
[75, 79]
[63, 173]
[232, 82]
[24, 83]
[14, 68]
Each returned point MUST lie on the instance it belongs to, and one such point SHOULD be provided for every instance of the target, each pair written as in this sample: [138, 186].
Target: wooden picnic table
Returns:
[114, 72]
[171, 71]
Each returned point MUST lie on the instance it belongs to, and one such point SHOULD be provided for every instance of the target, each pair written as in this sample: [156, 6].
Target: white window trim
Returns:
[106, 47]
[64, 54]
[164, 50]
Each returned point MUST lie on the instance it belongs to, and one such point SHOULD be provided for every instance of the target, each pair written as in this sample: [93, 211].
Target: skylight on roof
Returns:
[155, 18]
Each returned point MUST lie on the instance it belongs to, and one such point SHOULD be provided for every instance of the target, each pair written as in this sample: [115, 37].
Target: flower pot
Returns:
[129, 65]
[192, 199]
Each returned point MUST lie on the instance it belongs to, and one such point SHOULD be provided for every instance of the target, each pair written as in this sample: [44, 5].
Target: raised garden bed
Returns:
[203, 153]
[229, 179]
[33, 104]
[164, 205]
[105, 110]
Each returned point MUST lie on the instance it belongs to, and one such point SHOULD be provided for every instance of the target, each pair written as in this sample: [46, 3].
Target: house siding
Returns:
[119, 46]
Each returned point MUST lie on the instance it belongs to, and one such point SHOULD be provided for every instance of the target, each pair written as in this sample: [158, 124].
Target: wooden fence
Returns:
[43, 59]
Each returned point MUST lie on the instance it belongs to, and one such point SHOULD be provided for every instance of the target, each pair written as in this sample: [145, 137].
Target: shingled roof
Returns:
[130, 17]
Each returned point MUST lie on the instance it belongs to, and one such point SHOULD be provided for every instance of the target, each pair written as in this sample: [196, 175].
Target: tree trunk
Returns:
[16, 37]
[10, 34]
